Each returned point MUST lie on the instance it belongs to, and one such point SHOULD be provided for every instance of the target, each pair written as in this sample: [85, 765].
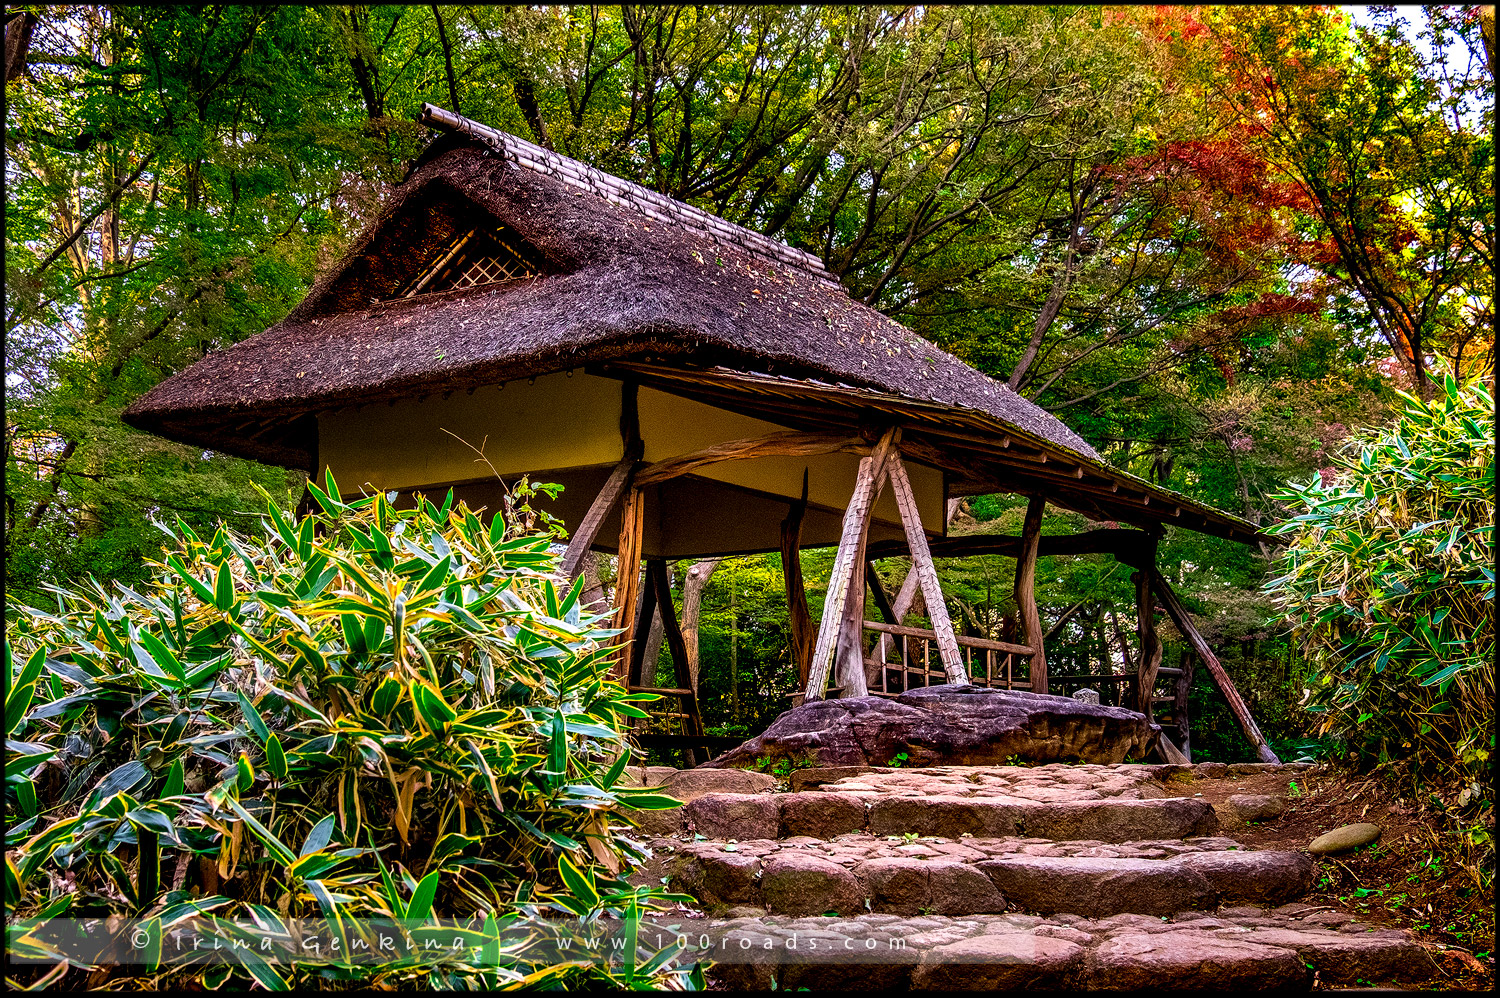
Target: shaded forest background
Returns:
[1212, 240]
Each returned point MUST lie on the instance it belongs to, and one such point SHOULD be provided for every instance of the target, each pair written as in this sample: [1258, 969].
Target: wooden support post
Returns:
[627, 571]
[1179, 615]
[849, 675]
[798, 616]
[921, 562]
[856, 525]
[1031, 620]
[1168, 751]
[637, 652]
[1150, 645]
[660, 587]
[1180, 704]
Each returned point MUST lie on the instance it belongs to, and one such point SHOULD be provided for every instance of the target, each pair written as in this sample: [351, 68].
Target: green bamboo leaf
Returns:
[319, 837]
[163, 657]
[121, 779]
[175, 780]
[205, 595]
[277, 848]
[387, 694]
[244, 773]
[420, 906]
[578, 883]
[436, 576]
[253, 718]
[305, 539]
[224, 588]
[275, 759]
[432, 709]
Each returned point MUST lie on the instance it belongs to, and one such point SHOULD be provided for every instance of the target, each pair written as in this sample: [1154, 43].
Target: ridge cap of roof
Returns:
[627, 194]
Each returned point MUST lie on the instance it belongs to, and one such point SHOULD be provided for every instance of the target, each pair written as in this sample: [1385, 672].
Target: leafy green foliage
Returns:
[1390, 582]
[373, 712]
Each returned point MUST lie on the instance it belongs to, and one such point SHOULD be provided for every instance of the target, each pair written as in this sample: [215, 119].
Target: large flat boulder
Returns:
[946, 726]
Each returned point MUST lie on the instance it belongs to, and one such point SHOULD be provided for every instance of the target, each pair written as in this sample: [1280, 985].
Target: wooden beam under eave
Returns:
[791, 444]
[1025, 592]
[604, 503]
[1126, 545]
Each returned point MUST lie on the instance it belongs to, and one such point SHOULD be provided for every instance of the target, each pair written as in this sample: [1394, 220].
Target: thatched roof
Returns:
[628, 276]
[624, 285]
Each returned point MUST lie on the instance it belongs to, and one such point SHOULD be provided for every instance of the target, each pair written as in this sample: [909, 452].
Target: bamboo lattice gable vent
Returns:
[475, 258]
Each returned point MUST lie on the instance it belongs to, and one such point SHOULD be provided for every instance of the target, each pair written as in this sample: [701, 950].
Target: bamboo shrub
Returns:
[1389, 584]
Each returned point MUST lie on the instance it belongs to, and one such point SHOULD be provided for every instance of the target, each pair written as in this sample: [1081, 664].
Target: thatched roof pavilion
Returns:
[699, 389]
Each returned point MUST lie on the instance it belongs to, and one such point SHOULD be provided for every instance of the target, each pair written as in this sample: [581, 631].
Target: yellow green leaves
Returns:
[582, 896]
[387, 694]
[244, 774]
[18, 697]
[433, 712]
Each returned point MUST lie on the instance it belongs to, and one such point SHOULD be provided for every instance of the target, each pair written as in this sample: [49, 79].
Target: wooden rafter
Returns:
[1126, 545]
[583, 538]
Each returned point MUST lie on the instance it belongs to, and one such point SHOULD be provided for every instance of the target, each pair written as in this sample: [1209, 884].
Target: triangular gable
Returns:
[438, 240]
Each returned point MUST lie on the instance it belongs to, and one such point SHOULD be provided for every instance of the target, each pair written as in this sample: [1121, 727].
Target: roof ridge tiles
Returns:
[625, 193]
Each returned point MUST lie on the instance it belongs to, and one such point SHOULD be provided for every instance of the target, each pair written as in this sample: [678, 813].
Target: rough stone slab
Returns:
[689, 784]
[795, 883]
[667, 821]
[821, 815]
[720, 880]
[734, 816]
[1370, 956]
[1191, 958]
[1259, 877]
[1119, 820]
[908, 886]
[946, 725]
[999, 962]
[816, 776]
[1126, 952]
[948, 817]
[1256, 807]
[1099, 887]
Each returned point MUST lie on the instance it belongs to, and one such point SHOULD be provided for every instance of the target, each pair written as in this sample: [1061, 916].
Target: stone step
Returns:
[1235, 948]
[1115, 803]
[825, 814]
[856, 873]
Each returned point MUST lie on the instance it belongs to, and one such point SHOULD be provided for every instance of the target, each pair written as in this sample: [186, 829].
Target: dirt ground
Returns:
[1401, 880]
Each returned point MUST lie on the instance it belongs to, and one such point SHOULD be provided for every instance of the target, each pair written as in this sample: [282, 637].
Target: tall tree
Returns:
[1393, 151]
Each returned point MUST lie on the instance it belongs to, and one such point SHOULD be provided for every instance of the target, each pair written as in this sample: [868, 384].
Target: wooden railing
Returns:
[996, 664]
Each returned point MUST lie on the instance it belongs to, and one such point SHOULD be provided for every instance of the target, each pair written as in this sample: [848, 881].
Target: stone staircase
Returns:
[1083, 877]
